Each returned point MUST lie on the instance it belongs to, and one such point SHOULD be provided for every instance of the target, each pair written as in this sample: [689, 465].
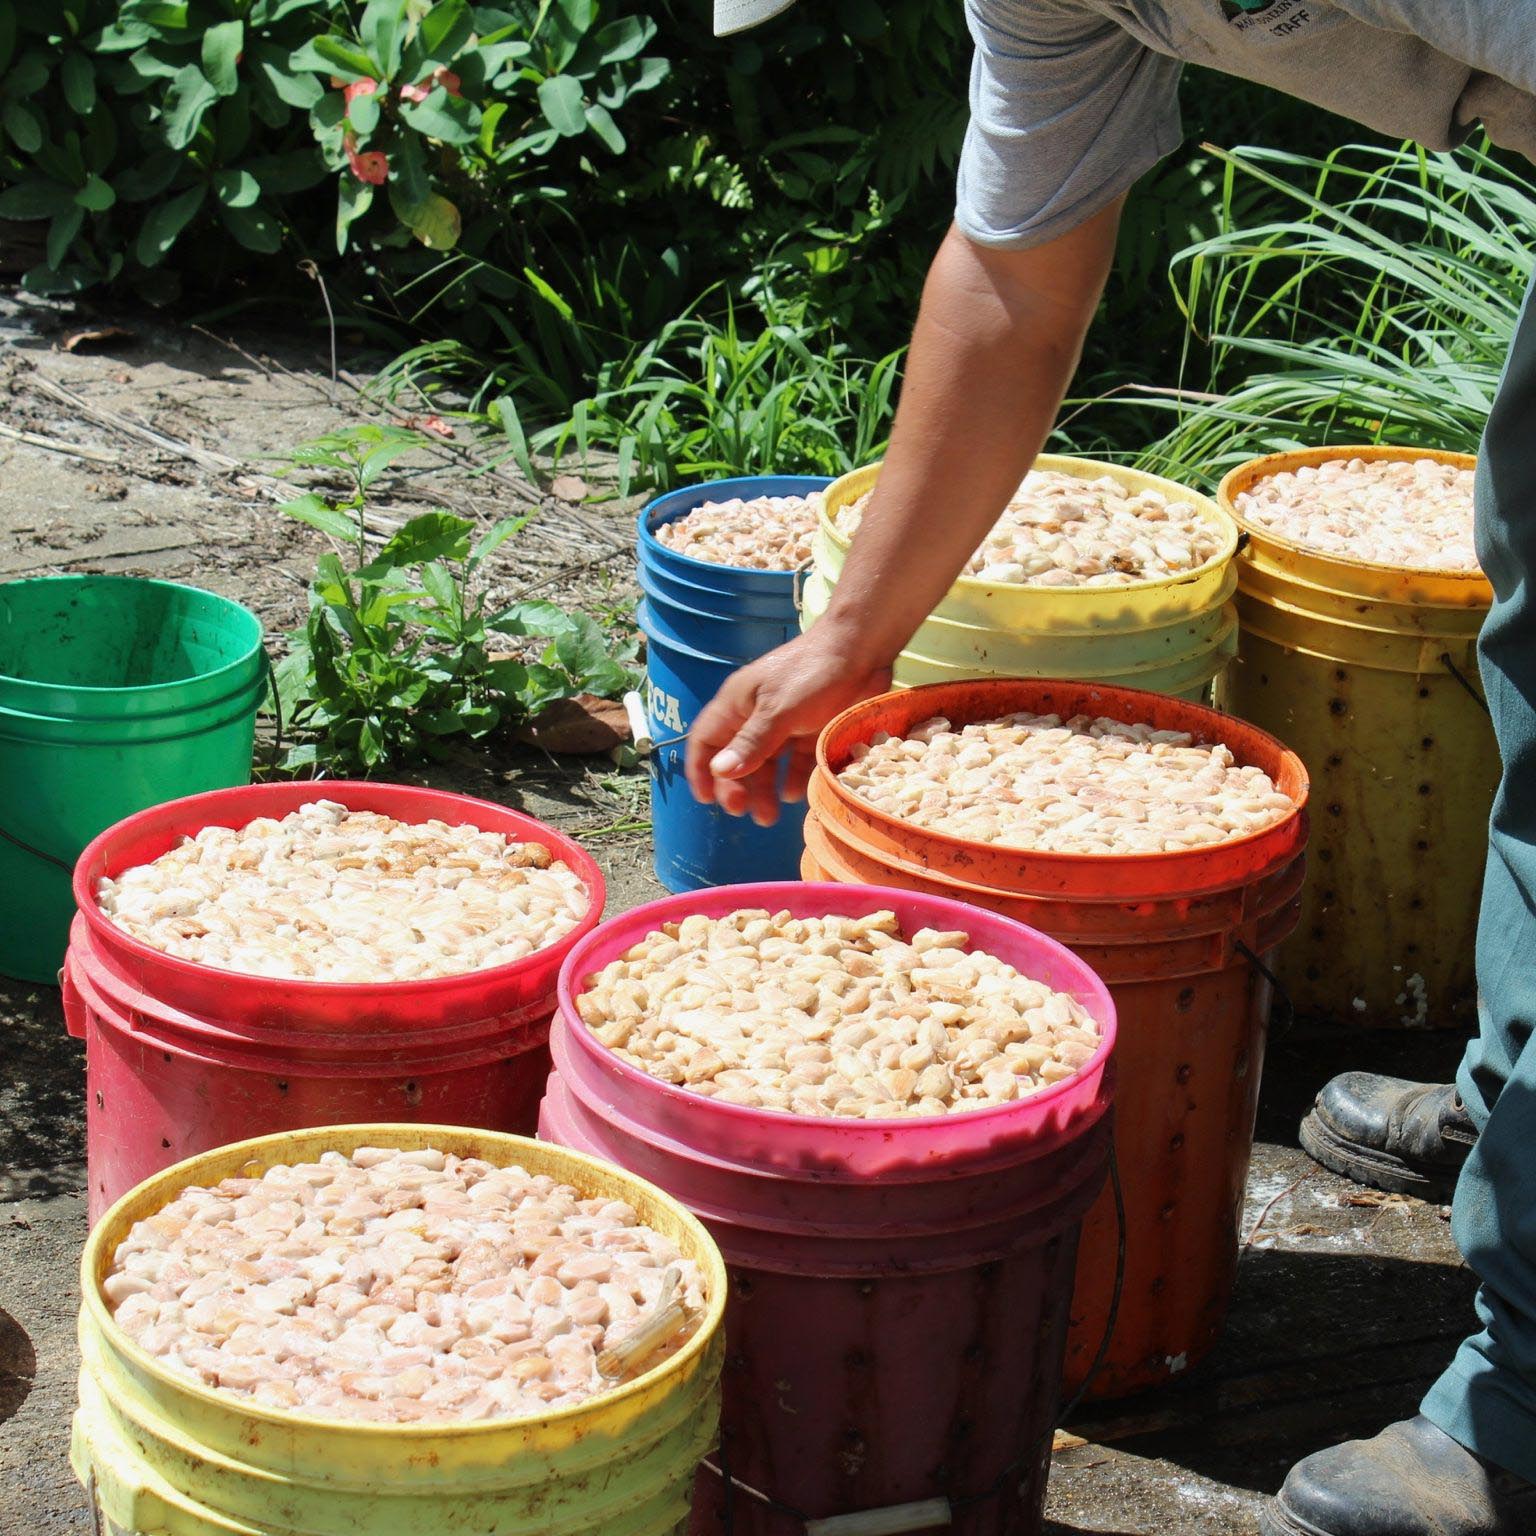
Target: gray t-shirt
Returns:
[1073, 100]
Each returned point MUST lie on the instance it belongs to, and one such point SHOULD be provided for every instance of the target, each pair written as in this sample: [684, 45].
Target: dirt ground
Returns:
[155, 461]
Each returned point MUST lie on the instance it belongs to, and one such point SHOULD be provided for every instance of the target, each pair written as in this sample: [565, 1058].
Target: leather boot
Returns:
[1408, 1138]
[1411, 1480]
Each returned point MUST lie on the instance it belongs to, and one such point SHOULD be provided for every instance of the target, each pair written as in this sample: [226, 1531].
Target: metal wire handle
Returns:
[1461, 677]
[1281, 996]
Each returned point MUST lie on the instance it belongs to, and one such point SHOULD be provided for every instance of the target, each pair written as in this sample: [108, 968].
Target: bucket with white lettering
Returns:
[701, 622]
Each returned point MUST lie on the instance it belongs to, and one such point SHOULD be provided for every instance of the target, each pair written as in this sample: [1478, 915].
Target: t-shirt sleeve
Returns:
[1067, 111]
[1496, 37]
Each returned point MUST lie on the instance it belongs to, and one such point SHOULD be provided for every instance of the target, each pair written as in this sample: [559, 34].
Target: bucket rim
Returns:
[1081, 469]
[1241, 476]
[829, 896]
[415, 1135]
[368, 993]
[652, 547]
[1115, 698]
[10, 680]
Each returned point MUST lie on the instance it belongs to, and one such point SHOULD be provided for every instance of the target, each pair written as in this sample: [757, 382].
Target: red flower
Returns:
[446, 78]
[370, 165]
[364, 87]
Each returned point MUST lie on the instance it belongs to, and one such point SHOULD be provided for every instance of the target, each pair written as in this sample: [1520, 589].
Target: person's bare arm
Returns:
[996, 343]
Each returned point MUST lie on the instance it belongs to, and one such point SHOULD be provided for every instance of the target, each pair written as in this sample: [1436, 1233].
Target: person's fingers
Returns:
[802, 764]
[763, 795]
[731, 796]
[713, 729]
[757, 740]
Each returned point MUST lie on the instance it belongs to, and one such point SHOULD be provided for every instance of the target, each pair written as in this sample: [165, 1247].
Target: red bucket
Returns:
[182, 1058]
[899, 1288]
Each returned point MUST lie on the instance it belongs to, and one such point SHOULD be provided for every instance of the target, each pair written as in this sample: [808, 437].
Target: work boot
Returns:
[1411, 1480]
[1408, 1138]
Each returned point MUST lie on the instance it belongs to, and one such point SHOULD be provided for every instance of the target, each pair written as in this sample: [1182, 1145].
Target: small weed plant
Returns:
[402, 651]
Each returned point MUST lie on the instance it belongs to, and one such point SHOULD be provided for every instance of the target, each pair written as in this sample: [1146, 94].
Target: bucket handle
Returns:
[1282, 999]
[797, 590]
[37, 853]
[894, 1519]
[1461, 677]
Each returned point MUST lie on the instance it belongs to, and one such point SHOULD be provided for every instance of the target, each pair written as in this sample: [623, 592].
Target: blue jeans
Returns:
[1487, 1397]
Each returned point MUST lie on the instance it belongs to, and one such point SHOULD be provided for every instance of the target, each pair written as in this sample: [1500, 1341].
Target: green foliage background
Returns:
[580, 203]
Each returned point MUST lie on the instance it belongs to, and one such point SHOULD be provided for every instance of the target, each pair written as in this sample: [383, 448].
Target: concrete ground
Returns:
[1344, 1310]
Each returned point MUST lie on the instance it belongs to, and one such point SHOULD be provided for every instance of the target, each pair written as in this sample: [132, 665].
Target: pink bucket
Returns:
[899, 1288]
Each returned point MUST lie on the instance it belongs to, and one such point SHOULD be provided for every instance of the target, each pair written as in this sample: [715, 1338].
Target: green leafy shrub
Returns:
[396, 657]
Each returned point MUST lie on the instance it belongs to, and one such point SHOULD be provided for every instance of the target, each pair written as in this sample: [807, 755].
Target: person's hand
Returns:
[775, 705]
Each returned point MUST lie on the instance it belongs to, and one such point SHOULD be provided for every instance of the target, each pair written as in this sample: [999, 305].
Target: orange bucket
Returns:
[1184, 941]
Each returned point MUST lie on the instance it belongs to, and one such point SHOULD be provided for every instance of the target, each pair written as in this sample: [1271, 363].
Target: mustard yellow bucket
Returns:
[1369, 672]
[1171, 635]
[164, 1456]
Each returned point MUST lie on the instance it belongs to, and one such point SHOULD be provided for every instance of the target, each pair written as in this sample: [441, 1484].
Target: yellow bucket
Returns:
[1170, 635]
[1369, 672]
[164, 1456]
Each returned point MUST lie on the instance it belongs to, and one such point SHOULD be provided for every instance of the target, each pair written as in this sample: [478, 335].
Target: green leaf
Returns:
[35, 198]
[504, 413]
[508, 676]
[430, 536]
[383, 29]
[165, 221]
[61, 235]
[232, 126]
[353, 199]
[440, 585]
[189, 97]
[493, 538]
[96, 195]
[254, 228]
[121, 37]
[444, 31]
[532, 616]
[581, 647]
[363, 113]
[149, 178]
[7, 36]
[24, 127]
[77, 76]
[560, 101]
[318, 514]
[451, 119]
[622, 39]
[296, 171]
[600, 121]
[236, 188]
[329, 55]
[434, 221]
[298, 89]
[222, 46]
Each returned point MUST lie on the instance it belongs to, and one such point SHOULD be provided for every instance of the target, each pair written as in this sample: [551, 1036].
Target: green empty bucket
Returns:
[115, 694]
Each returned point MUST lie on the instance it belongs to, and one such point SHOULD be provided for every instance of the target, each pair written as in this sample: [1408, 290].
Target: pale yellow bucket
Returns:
[1369, 672]
[1171, 635]
[165, 1456]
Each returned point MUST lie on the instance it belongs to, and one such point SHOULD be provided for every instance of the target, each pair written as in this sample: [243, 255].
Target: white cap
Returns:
[738, 15]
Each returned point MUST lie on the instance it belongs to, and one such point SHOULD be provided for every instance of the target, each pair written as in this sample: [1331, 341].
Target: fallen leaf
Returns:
[583, 726]
[1064, 1440]
[430, 424]
[569, 488]
[83, 341]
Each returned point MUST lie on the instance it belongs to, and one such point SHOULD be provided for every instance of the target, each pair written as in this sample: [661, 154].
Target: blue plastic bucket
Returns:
[701, 622]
